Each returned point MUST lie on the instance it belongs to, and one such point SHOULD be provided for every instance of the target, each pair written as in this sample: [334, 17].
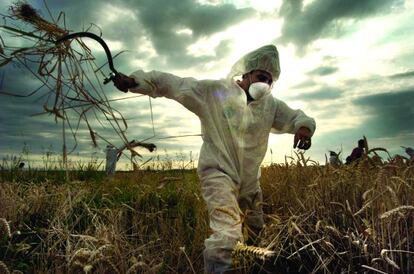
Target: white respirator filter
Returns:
[258, 90]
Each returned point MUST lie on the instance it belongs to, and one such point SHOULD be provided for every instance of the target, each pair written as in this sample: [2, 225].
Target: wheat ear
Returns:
[261, 253]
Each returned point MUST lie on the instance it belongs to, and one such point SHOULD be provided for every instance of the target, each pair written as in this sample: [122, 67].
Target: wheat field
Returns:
[319, 219]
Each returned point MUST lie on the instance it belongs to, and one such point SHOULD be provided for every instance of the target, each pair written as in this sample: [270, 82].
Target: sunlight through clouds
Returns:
[339, 63]
[244, 37]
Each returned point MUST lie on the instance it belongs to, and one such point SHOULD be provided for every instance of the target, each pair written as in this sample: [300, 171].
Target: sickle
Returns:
[101, 42]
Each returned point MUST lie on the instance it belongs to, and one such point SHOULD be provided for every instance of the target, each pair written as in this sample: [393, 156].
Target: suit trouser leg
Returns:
[250, 201]
[221, 196]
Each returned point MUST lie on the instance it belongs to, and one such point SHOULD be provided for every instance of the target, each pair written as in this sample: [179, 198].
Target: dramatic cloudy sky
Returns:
[347, 63]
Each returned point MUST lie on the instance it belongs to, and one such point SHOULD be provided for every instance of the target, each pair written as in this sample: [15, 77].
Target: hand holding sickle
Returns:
[121, 81]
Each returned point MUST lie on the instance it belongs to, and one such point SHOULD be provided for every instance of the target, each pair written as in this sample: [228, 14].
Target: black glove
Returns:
[123, 82]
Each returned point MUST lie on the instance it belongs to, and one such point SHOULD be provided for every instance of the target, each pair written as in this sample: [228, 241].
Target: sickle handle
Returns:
[109, 78]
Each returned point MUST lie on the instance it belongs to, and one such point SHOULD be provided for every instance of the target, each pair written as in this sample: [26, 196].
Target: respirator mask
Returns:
[258, 89]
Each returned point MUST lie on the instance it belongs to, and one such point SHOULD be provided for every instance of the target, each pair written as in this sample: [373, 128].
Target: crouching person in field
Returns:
[236, 118]
[113, 154]
[410, 152]
[334, 159]
[357, 153]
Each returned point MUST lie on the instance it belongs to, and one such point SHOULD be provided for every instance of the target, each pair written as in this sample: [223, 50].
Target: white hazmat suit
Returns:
[111, 159]
[235, 136]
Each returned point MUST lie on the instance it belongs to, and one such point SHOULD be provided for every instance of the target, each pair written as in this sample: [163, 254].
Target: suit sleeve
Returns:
[287, 120]
[186, 91]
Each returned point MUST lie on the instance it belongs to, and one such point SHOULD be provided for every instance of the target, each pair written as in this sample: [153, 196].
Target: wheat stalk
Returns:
[182, 248]
[384, 255]
[334, 230]
[28, 14]
[80, 257]
[396, 178]
[5, 228]
[296, 227]
[396, 210]
[243, 250]
[138, 267]
[394, 197]
[373, 269]
[107, 261]
[229, 212]
[100, 252]
[318, 225]
[3, 268]
[368, 204]
[87, 268]
[304, 247]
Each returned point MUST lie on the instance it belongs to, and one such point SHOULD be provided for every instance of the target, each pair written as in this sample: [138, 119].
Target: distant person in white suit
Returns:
[111, 159]
[334, 159]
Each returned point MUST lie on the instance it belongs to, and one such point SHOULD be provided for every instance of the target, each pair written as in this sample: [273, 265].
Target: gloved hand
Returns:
[302, 139]
[123, 82]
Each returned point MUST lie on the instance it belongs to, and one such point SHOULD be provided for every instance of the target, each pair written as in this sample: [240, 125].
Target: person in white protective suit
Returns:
[111, 159]
[334, 159]
[236, 119]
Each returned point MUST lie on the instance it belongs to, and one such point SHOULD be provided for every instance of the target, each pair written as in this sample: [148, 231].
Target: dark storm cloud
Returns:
[321, 18]
[403, 75]
[323, 70]
[322, 94]
[19, 127]
[161, 19]
[305, 84]
[390, 113]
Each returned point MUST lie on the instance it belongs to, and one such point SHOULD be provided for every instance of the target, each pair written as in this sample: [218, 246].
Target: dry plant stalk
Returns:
[28, 14]
[384, 255]
[396, 210]
[109, 265]
[243, 250]
[3, 268]
[67, 73]
[229, 212]
[81, 256]
[88, 260]
[5, 228]
[343, 209]
[138, 267]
